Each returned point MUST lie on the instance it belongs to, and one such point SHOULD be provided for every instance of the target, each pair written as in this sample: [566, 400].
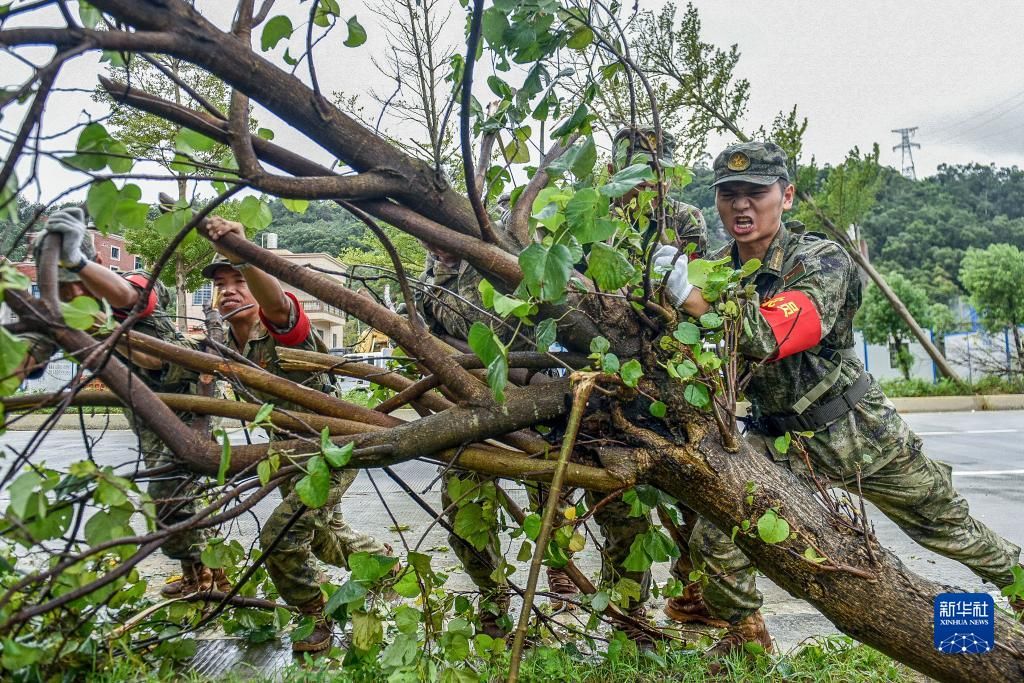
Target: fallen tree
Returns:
[644, 425]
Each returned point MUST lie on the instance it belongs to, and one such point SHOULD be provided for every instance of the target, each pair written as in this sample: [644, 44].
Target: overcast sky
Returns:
[856, 70]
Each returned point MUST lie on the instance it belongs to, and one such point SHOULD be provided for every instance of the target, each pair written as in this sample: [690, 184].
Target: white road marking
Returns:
[984, 473]
[971, 431]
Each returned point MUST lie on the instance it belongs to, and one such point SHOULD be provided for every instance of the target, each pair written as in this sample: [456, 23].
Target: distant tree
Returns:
[943, 321]
[993, 278]
[882, 325]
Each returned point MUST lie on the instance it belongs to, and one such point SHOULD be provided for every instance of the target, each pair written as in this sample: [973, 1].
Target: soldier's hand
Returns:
[217, 227]
[678, 286]
[70, 225]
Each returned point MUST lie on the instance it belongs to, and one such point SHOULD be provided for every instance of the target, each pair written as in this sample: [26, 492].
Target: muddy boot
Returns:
[562, 586]
[633, 626]
[195, 577]
[492, 609]
[323, 628]
[750, 629]
[689, 608]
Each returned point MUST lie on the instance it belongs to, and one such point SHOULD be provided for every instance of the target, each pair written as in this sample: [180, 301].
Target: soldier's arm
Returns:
[799, 316]
[111, 287]
[275, 306]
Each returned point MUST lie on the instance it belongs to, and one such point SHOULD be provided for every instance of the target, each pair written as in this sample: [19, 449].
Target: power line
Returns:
[906, 151]
[983, 112]
[984, 123]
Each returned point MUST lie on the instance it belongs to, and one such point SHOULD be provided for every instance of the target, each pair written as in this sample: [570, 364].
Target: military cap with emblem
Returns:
[761, 163]
[219, 261]
[628, 142]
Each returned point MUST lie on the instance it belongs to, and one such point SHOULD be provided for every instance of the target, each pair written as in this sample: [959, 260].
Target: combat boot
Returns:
[490, 621]
[562, 586]
[690, 608]
[323, 628]
[195, 578]
[750, 629]
[634, 627]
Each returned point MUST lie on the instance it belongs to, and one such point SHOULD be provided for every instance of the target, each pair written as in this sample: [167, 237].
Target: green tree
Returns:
[881, 324]
[177, 149]
[943, 322]
[993, 278]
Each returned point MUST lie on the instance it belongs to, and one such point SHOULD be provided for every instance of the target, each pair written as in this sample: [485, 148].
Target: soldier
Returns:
[804, 376]
[685, 226]
[175, 495]
[449, 307]
[261, 316]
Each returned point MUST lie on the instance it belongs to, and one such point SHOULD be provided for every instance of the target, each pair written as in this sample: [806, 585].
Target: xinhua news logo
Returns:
[965, 623]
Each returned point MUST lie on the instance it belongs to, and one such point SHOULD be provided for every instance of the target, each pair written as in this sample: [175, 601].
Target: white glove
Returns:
[70, 225]
[678, 286]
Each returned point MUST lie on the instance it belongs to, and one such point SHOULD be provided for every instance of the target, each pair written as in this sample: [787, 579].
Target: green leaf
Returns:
[581, 38]
[517, 152]
[631, 372]
[610, 363]
[313, 489]
[325, 9]
[274, 30]
[687, 333]
[545, 334]
[750, 267]
[546, 271]
[296, 205]
[609, 269]
[264, 471]
[525, 552]
[12, 354]
[21, 490]
[112, 209]
[696, 395]
[225, 460]
[686, 369]
[254, 213]
[471, 525]
[573, 122]
[658, 409]
[170, 224]
[626, 179]
[772, 528]
[263, 414]
[80, 313]
[370, 567]
[531, 525]
[19, 655]
[812, 556]
[710, 320]
[584, 158]
[494, 355]
[494, 22]
[356, 33]
[89, 15]
[782, 443]
[190, 142]
[599, 345]
[582, 212]
[1015, 589]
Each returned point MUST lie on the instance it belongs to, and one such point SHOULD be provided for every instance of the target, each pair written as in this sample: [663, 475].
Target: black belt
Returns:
[814, 418]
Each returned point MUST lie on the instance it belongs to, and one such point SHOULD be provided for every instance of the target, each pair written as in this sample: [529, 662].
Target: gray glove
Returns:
[678, 286]
[70, 225]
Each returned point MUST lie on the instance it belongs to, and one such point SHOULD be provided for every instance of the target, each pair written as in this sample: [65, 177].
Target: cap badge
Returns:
[738, 162]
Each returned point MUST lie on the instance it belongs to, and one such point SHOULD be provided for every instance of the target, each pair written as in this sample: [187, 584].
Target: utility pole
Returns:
[906, 150]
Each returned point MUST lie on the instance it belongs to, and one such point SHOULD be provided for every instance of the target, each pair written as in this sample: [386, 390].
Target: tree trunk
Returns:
[901, 310]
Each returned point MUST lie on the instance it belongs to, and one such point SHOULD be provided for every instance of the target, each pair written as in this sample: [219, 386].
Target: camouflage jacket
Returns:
[261, 349]
[154, 322]
[807, 294]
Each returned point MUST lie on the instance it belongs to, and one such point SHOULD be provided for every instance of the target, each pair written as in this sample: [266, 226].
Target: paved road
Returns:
[985, 449]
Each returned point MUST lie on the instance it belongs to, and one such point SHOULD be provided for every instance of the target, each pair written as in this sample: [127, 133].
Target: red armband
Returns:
[794, 320]
[140, 281]
[299, 332]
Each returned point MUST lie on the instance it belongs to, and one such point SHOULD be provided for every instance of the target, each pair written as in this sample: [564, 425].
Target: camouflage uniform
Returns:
[174, 495]
[322, 532]
[808, 275]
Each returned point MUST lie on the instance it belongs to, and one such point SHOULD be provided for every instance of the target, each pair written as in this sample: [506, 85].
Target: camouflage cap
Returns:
[628, 142]
[761, 163]
[219, 260]
[63, 275]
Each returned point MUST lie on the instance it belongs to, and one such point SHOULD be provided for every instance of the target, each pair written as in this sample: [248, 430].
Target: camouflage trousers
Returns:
[910, 489]
[322, 533]
[618, 529]
[175, 497]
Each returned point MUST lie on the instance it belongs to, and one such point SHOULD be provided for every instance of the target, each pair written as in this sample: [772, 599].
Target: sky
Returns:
[855, 70]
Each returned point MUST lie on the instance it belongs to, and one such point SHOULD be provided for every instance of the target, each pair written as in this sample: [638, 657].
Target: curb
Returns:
[911, 404]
